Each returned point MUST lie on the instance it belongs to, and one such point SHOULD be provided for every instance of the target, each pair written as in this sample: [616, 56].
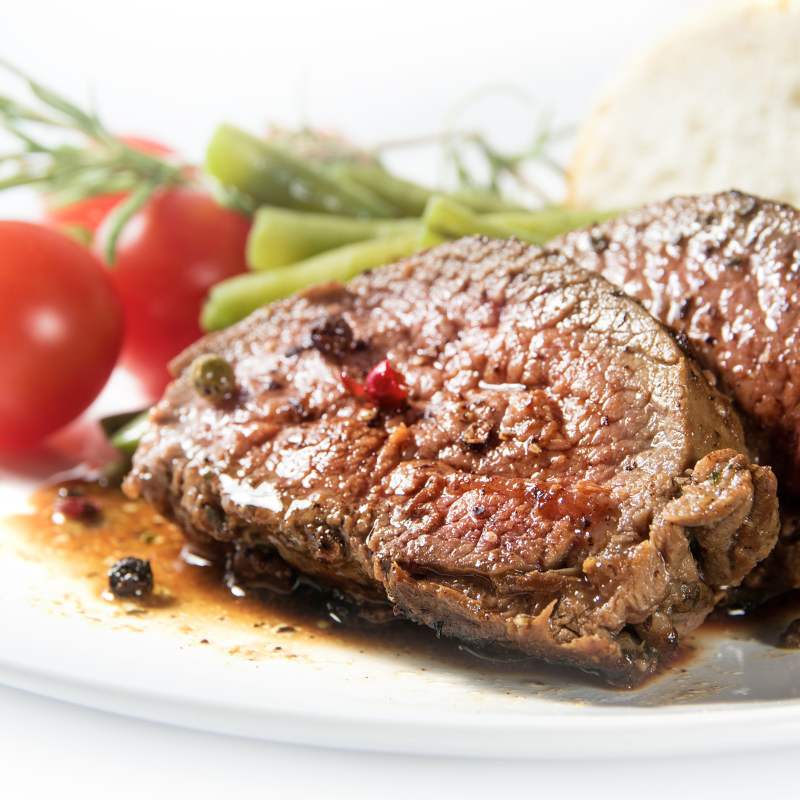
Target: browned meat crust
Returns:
[725, 271]
[562, 479]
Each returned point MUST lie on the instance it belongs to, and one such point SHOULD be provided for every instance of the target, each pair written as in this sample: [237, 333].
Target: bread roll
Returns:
[715, 105]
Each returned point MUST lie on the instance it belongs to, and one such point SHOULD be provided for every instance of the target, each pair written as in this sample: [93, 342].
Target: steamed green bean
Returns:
[235, 298]
[483, 202]
[551, 221]
[452, 220]
[280, 236]
[408, 197]
[269, 174]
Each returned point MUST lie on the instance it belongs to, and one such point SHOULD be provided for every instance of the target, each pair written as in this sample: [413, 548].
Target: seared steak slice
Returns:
[561, 479]
[725, 271]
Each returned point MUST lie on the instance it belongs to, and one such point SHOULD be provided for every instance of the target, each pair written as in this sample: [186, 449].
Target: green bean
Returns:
[552, 221]
[269, 174]
[358, 189]
[452, 221]
[235, 298]
[411, 198]
[280, 236]
[428, 237]
[408, 197]
[483, 202]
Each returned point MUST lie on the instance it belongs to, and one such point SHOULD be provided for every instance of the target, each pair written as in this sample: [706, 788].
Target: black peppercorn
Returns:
[130, 577]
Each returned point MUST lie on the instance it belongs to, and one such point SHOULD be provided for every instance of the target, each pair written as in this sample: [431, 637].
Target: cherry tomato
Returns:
[168, 256]
[86, 216]
[60, 331]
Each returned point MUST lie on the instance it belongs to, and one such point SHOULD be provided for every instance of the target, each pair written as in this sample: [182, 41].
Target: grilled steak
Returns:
[723, 271]
[561, 479]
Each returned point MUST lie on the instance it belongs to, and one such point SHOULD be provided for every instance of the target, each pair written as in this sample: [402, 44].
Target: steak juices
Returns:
[561, 478]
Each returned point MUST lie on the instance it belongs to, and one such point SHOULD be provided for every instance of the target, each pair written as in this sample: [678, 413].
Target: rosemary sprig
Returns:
[98, 163]
[88, 160]
[467, 156]
[479, 166]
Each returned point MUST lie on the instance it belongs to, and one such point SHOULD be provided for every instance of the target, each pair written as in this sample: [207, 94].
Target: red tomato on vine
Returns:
[85, 216]
[165, 241]
[60, 331]
[168, 255]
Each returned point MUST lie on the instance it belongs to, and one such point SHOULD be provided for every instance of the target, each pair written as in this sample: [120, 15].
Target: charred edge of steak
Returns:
[625, 658]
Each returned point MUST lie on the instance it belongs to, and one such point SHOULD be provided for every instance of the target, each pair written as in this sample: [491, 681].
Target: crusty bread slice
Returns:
[713, 106]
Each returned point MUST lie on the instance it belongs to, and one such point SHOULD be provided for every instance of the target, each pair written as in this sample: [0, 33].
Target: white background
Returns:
[374, 71]
[173, 69]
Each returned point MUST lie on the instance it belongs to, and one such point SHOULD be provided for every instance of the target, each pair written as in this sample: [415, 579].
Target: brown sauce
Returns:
[191, 592]
[764, 623]
[191, 600]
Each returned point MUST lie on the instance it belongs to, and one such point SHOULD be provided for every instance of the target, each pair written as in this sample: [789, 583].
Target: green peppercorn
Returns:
[211, 376]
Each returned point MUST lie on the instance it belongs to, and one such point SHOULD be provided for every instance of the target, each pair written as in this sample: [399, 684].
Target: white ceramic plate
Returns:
[736, 693]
